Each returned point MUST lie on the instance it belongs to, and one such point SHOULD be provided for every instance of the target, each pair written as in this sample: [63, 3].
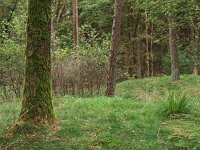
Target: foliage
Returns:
[186, 63]
[82, 71]
[97, 13]
[127, 121]
[11, 69]
[12, 48]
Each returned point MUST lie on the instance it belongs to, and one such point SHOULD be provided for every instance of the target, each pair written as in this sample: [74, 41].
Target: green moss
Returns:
[37, 101]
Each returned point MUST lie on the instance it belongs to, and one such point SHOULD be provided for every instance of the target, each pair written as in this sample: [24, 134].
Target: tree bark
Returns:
[196, 56]
[194, 46]
[151, 52]
[37, 108]
[149, 46]
[175, 76]
[75, 23]
[114, 46]
[138, 57]
[76, 41]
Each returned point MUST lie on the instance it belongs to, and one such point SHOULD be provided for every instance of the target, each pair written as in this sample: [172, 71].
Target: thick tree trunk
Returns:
[175, 76]
[75, 23]
[37, 108]
[114, 46]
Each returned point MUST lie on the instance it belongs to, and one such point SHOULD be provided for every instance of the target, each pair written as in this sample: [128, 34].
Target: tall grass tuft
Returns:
[175, 104]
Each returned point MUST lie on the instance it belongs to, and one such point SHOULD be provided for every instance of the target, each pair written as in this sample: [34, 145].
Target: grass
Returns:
[129, 121]
[175, 104]
[150, 89]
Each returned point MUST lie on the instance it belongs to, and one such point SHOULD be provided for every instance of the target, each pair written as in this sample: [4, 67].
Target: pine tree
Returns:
[115, 40]
[75, 23]
[173, 50]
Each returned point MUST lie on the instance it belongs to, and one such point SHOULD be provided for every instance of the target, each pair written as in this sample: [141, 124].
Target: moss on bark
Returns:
[37, 107]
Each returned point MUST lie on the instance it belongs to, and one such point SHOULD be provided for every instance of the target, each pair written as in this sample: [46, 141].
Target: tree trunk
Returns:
[196, 56]
[194, 46]
[75, 23]
[76, 40]
[114, 46]
[173, 51]
[151, 52]
[149, 46]
[138, 57]
[37, 108]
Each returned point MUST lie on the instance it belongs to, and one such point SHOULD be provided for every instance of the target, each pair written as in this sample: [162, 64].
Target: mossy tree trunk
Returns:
[37, 108]
[114, 45]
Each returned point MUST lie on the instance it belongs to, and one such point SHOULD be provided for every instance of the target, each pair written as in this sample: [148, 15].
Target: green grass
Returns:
[129, 121]
[150, 89]
[175, 104]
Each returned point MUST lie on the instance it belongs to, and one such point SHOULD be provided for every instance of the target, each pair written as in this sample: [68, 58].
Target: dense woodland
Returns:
[85, 48]
[144, 44]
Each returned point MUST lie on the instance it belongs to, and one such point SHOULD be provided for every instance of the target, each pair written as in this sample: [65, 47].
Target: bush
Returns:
[78, 76]
[11, 69]
[84, 71]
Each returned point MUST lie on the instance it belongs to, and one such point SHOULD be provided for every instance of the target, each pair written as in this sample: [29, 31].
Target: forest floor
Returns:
[132, 120]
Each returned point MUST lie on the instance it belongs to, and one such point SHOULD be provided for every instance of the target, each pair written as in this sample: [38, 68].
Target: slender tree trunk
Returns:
[138, 56]
[75, 23]
[76, 41]
[147, 46]
[114, 46]
[196, 61]
[175, 76]
[194, 46]
[37, 108]
[12, 11]
[196, 54]
[151, 52]
[59, 10]
[9, 18]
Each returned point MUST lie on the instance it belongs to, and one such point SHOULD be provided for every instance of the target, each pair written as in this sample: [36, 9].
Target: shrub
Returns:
[11, 69]
[83, 76]
[81, 72]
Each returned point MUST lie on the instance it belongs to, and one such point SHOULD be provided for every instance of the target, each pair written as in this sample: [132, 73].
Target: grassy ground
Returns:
[129, 121]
